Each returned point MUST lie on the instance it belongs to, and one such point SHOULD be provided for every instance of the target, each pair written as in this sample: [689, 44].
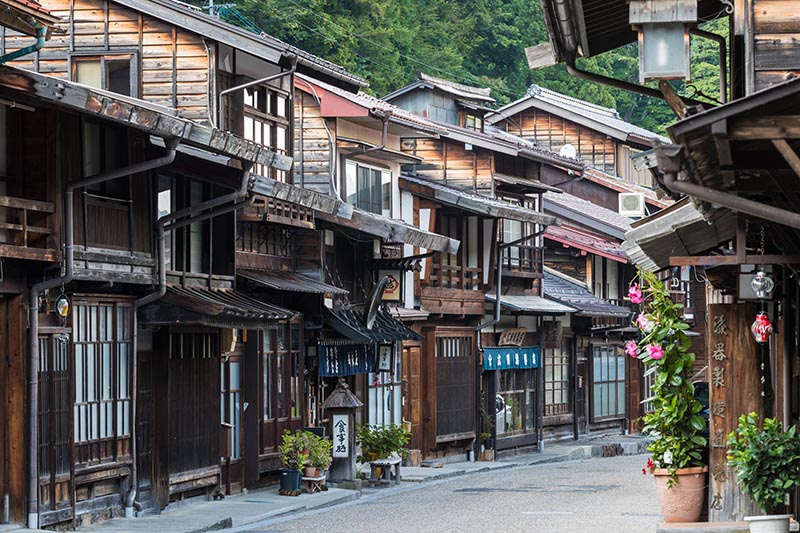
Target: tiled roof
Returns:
[582, 211]
[591, 115]
[575, 238]
[371, 103]
[458, 89]
[572, 293]
[472, 202]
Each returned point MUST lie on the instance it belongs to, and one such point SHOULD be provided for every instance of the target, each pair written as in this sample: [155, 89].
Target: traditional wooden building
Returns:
[734, 163]
[170, 249]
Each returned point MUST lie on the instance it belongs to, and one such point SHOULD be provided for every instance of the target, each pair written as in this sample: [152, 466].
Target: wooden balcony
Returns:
[610, 322]
[453, 289]
[26, 227]
[523, 261]
[278, 211]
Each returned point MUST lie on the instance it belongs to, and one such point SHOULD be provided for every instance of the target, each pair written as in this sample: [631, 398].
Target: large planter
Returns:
[684, 501]
[771, 523]
[290, 480]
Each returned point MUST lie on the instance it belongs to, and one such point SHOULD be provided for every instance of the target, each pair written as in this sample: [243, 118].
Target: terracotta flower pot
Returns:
[684, 501]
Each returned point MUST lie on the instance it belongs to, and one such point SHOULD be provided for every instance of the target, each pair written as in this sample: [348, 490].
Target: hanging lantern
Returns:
[62, 305]
[761, 328]
[762, 284]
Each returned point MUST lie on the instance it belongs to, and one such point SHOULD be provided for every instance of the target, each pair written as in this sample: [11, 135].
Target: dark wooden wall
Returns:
[776, 41]
[449, 162]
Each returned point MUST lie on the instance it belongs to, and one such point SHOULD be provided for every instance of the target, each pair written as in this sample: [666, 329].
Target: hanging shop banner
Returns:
[510, 357]
[345, 359]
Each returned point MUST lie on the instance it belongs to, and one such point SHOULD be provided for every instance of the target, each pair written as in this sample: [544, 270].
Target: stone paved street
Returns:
[607, 495]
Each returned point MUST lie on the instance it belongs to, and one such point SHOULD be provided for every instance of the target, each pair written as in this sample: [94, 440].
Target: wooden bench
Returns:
[385, 477]
[314, 484]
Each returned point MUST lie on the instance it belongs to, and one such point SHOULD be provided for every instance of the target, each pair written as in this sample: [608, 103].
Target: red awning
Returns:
[575, 238]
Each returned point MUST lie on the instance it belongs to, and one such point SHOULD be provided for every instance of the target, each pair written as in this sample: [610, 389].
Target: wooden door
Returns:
[12, 413]
[412, 404]
[56, 464]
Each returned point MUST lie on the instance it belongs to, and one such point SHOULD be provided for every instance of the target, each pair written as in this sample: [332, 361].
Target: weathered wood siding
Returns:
[551, 132]
[450, 163]
[312, 146]
[172, 64]
[776, 41]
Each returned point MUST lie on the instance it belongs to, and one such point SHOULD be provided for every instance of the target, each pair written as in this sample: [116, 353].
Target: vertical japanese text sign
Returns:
[341, 435]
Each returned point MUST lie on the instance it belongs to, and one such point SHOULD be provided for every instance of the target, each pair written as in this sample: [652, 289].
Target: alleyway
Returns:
[609, 495]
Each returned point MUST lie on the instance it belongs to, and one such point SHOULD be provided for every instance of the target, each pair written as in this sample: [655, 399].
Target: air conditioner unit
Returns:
[631, 204]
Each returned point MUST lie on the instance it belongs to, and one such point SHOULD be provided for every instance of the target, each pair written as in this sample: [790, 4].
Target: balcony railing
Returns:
[605, 322]
[25, 229]
[447, 276]
[273, 210]
[523, 261]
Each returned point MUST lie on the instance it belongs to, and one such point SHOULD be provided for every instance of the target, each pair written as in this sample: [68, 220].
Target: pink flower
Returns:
[635, 294]
[655, 351]
[642, 321]
[631, 348]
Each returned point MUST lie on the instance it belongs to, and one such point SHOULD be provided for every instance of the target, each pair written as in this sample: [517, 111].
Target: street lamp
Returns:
[663, 28]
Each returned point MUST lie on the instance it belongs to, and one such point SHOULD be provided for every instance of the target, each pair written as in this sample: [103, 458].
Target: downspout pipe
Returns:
[669, 162]
[195, 215]
[273, 77]
[33, 310]
[624, 85]
[41, 33]
[385, 116]
[723, 60]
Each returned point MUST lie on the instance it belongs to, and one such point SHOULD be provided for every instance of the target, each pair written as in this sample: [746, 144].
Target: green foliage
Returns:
[767, 460]
[294, 449]
[480, 43]
[676, 417]
[380, 442]
[320, 453]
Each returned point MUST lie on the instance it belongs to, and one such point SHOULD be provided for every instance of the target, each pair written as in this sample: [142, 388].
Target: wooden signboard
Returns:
[734, 389]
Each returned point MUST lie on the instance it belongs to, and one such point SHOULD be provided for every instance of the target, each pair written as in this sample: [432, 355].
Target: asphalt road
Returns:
[606, 495]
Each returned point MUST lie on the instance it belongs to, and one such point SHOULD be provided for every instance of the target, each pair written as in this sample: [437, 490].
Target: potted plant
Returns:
[677, 448]
[381, 442]
[320, 455]
[293, 452]
[767, 463]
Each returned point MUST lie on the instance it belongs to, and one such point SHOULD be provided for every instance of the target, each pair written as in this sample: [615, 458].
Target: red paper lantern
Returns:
[761, 328]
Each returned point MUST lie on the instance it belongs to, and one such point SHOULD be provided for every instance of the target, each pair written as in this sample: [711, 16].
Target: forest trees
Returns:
[480, 42]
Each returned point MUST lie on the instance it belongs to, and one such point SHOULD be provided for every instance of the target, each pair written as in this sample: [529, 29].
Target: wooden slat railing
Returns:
[523, 261]
[25, 227]
[274, 210]
[447, 276]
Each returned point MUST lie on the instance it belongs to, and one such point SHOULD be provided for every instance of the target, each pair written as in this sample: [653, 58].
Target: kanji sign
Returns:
[341, 435]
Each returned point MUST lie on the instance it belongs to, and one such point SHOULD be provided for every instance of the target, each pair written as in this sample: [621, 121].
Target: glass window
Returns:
[102, 347]
[110, 73]
[556, 379]
[515, 403]
[369, 188]
[266, 121]
[608, 382]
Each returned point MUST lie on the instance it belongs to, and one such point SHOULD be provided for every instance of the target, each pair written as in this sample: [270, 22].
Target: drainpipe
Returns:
[669, 162]
[624, 85]
[723, 60]
[290, 72]
[41, 32]
[497, 307]
[385, 116]
[33, 310]
[194, 214]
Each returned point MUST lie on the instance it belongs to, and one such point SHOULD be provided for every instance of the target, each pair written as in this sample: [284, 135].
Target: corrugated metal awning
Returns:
[525, 303]
[212, 307]
[290, 281]
[350, 323]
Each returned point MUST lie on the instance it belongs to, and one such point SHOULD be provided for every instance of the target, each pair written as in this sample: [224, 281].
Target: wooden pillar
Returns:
[734, 389]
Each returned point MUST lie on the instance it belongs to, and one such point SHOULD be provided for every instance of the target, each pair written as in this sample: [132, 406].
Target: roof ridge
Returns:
[480, 91]
[537, 90]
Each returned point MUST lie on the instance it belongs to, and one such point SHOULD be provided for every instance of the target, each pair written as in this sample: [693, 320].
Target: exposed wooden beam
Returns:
[765, 128]
[719, 130]
[788, 154]
[673, 100]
